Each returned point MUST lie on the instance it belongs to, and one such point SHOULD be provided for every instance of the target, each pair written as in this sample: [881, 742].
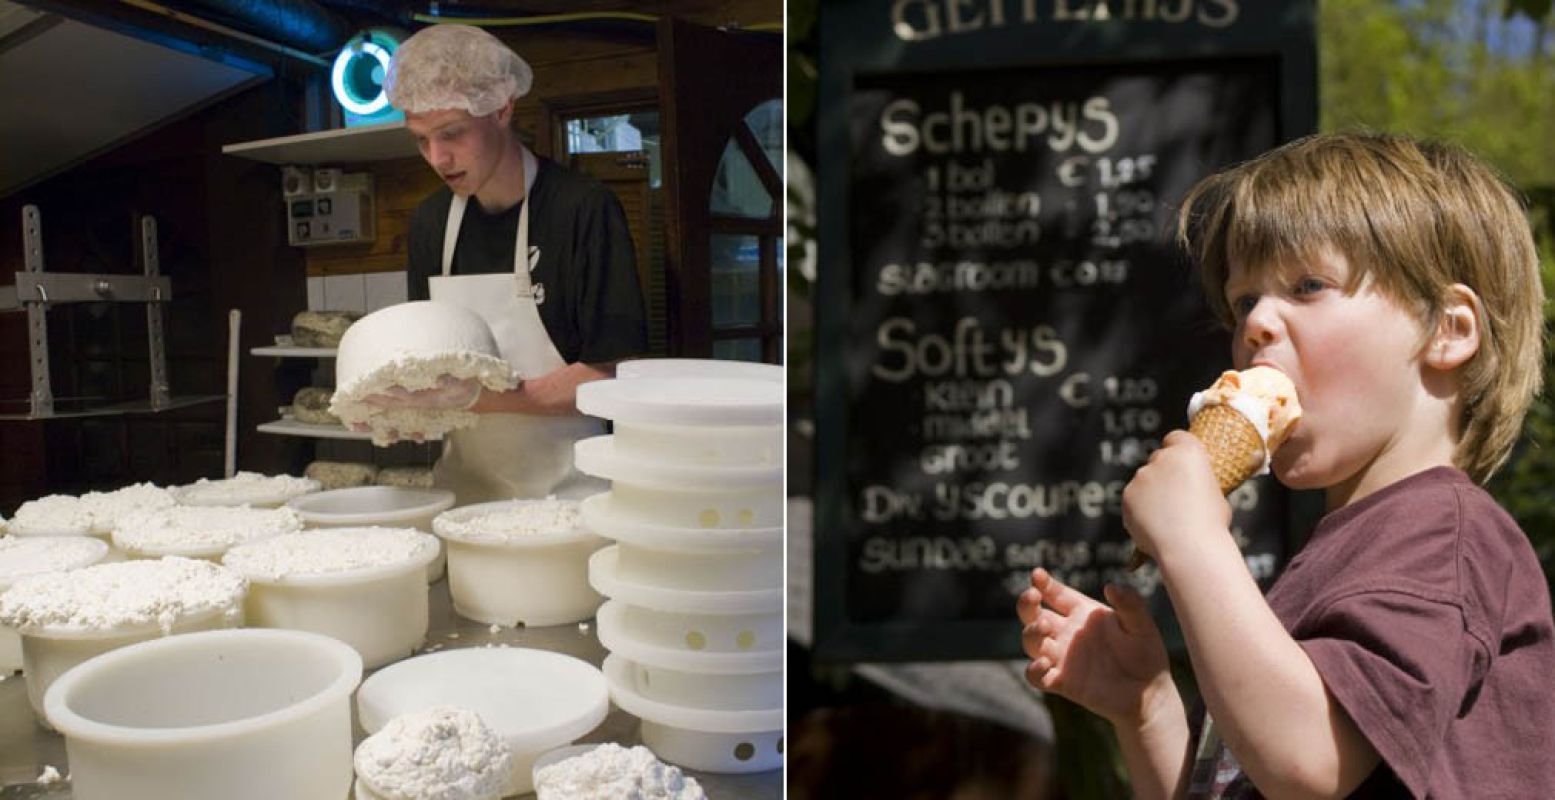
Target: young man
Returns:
[543, 254]
[1408, 649]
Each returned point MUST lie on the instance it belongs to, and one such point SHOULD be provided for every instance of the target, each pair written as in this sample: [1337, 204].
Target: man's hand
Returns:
[450, 394]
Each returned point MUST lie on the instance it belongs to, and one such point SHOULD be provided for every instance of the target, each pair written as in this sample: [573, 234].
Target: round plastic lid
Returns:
[600, 516]
[698, 368]
[604, 578]
[598, 456]
[692, 402]
[533, 699]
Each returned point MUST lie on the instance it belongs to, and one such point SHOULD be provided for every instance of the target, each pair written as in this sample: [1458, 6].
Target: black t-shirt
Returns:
[591, 303]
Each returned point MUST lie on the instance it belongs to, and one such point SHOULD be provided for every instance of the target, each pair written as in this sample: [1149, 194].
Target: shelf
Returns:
[281, 351]
[381, 142]
[116, 409]
[290, 427]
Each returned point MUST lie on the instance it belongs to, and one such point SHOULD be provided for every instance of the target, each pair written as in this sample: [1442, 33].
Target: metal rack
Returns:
[36, 290]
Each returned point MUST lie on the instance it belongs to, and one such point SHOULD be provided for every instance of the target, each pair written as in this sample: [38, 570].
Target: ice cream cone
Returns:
[1236, 443]
[1236, 451]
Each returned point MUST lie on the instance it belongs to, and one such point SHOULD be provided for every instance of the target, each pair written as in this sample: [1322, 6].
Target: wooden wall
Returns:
[222, 243]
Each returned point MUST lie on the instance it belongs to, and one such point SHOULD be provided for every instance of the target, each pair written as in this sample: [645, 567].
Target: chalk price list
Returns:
[1007, 428]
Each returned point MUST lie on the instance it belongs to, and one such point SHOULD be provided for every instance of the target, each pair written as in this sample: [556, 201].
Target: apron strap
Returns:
[521, 253]
[451, 231]
[521, 265]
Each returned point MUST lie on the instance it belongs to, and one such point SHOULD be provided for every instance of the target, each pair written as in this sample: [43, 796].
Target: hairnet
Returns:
[455, 67]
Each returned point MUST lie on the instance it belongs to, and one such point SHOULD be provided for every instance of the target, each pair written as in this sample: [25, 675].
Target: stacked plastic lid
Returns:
[694, 623]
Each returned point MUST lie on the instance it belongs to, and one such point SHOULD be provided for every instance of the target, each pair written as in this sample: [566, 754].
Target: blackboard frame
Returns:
[858, 38]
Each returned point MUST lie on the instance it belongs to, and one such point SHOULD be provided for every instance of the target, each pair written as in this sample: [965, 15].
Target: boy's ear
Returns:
[1456, 339]
[505, 114]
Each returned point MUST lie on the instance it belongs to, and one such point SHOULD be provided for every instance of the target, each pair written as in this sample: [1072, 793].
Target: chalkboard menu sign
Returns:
[1009, 331]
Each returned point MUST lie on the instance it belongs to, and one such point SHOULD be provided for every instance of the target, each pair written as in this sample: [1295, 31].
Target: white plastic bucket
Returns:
[245, 489]
[534, 579]
[48, 654]
[535, 700]
[92, 551]
[384, 506]
[240, 715]
[383, 611]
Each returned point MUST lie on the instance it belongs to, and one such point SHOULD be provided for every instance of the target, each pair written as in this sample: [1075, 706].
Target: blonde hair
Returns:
[1414, 218]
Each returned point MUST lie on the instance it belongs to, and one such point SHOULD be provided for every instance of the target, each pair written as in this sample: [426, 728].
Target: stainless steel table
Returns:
[26, 747]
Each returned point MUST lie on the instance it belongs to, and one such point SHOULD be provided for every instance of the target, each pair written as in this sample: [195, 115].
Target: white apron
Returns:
[509, 455]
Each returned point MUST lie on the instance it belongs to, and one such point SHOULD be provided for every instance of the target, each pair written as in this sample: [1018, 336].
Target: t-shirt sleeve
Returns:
[424, 247]
[612, 317]
[1386, 655]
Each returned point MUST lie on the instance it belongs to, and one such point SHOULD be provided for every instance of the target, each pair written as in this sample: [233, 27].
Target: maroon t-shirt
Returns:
[1424, 609]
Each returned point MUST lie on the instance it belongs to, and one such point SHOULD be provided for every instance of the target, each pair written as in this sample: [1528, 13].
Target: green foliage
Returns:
[1444, 69]
[1524, 486]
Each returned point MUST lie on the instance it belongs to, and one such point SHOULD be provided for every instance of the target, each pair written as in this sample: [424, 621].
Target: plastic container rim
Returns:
[70, 723]
[444, 500]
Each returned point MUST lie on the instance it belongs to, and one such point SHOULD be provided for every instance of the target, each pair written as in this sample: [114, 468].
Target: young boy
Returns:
[1408, 649]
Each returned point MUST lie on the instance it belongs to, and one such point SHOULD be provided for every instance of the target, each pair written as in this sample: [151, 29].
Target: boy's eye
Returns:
[1243, 305]
[1310, 286]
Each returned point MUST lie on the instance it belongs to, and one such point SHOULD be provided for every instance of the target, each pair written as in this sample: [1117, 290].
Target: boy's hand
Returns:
[1111, 660]
[1175, 494]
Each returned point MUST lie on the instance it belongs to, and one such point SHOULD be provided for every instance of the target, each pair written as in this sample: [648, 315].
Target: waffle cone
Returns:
[1235, 448]
[1236, 451]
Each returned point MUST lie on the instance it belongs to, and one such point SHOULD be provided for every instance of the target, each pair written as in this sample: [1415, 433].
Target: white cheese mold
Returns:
[65, 618]
[245, 489]
[240, 715]
[519, 561]
[25, 557]
[380, 506]
[363, 586]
